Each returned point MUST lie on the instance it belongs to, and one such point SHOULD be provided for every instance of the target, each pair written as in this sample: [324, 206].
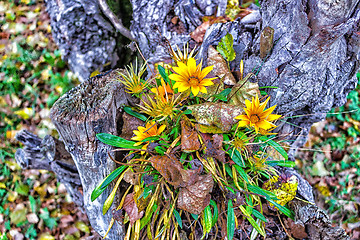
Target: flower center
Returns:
[193, 81]
[167, 110]
[137, 89]
[254, 118]
[239, 144]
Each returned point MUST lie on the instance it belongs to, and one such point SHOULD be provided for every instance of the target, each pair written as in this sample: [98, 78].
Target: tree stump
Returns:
[92, 107]
[312, 63]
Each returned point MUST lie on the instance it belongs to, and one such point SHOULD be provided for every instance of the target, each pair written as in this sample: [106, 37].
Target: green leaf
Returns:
[108, 202]
[258, 215]
[208, 219]
[235, 155]
[223, 95]
[22, 189]
[177, 217]
[163, 73]
[194, 216]
[149, 139]
[106, 181]
[242, 173]
[275, 145]
[216, 212]
[283, 209]
[230, 221]
[129, 111]
[260, 191]
[256, 226]
[146, 219]
[282, 163]
[116, 141]
[160, 150]
[32, 204]
[225, 47]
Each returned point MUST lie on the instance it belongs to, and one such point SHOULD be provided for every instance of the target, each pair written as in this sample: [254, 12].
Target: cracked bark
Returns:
[313, 64]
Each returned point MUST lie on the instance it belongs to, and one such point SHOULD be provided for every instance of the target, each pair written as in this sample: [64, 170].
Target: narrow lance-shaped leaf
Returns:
[116, 141]
[216, 212]
[163, 73]
[110, 199]
[230, 221]
[207, 219]
[129, 111]
[106, 181]
[275, 145]
[177, 217]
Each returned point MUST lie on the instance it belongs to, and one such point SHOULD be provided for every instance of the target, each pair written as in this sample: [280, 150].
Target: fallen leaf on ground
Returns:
[131, 208]
[283, 186]
[220, 115]
[194, 198]
[172, 170]
[189, 137]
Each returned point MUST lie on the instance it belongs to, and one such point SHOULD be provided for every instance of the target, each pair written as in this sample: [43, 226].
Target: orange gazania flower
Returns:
[191, 76]
[256, 116]
[164, 91]
[150, 130]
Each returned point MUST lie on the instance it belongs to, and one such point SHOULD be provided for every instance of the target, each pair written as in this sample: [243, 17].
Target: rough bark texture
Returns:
[86, 39]
[50, 154]
[92, 107]
[313, 64]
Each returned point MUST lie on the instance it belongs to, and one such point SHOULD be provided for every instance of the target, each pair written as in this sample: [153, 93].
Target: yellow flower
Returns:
[182, 56]
[162, 107]
[256, 116]
[132, 79]
[150, 130]
[191, 76]
[164, 91]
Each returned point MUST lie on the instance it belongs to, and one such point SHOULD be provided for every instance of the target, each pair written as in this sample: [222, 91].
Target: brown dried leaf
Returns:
[130, 124]
[131, 209]
[220, 69]
[131, 177]
[214, 148]
[220, 115]
[189, 137]
[194, 198]
[244, 89]
[199, 33]
[208, 129]
[172, 170]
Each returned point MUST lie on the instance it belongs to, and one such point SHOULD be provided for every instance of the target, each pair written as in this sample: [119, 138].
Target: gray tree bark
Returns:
[313, 63]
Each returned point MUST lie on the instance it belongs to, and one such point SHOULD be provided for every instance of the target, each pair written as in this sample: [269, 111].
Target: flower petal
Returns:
[243, 123]
[195, 90]
[273, 117]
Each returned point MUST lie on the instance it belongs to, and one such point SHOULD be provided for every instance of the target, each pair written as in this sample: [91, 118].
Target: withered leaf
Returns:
[220, 115]
[214, 148]
[130, 124]
[131, 177]
[194, 198]
[172, 170]
[208, 129]
[131, 208]
[189, 137]
[242, 90]
[199, 33]
[266, 41]
[220, 69]
[283, 186]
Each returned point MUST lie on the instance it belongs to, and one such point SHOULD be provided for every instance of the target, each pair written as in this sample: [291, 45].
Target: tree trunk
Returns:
[92, 107]
[313, 64]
